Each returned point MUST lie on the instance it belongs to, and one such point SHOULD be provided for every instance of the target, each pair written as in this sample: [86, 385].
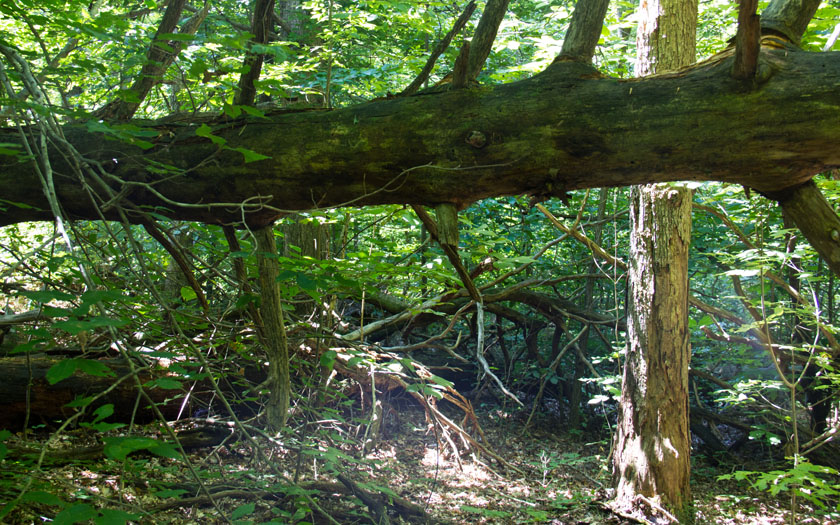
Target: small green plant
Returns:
[487, 513]
[550, 461]
[815, 483]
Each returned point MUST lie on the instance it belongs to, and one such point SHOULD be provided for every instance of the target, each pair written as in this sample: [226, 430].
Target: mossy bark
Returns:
[564, 129]
[274, 328]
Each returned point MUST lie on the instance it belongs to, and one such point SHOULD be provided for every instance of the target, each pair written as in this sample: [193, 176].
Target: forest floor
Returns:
[551, 477]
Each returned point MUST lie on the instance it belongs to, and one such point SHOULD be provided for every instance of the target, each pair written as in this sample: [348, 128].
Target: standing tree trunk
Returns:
[274, 328]
[652, 443]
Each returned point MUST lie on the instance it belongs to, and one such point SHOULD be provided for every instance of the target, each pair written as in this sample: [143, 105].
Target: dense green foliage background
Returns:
[112, 286]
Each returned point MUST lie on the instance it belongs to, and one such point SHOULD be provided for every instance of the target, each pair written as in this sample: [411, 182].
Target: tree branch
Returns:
[815, 217]
[444, 236]
[747, 41]
[160, 56]
[177, 254]
[439, 49]
[261, 24]
[789, 17]
[416, 150]
[485, 35]
[537, 139]
[584, 31]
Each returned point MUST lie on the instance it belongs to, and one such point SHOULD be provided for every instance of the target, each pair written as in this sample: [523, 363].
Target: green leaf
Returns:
[251, 156]
[45, 498]
[706, 320]
[442, 382]
[188, 294]
[254, 112]
[103, 427]
[61, 370]
[142, 144]
[169, 493]
[243, 510]
[95, 296]
[198, 68]
[75, 326]
[538, 515]
[166, 450]
[75, 514]
[232, 110]
[115, 517]
[80, 402]
[306, 283]
[103, 412]
[45, 296]
[165, 383]
[207, 132]
[120, 447]
[94, 368]
[328, 358]
[245, 299]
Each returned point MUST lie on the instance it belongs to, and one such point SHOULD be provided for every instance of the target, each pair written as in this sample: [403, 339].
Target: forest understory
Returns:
[550, 477]
[321, 261]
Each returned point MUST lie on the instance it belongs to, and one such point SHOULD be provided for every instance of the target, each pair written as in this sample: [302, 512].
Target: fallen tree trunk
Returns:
[48, 403]
[564, 129]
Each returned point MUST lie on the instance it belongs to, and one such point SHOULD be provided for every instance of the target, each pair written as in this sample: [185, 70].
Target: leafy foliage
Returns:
[764, 302]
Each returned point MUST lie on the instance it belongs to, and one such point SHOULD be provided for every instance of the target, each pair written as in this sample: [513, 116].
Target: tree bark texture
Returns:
[274, 328]
[806, 206]
[567, 128]
[485, 34]
[584, 30]
[47, 403]
[789, 17]
[653, 443]
[262, 22]
[665, 40]
[652, 440]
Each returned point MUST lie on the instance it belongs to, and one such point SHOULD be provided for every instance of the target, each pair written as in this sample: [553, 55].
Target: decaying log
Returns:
[48, 403]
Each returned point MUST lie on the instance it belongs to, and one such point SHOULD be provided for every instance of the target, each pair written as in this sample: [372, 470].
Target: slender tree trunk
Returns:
[274, 328]
[653, 443]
